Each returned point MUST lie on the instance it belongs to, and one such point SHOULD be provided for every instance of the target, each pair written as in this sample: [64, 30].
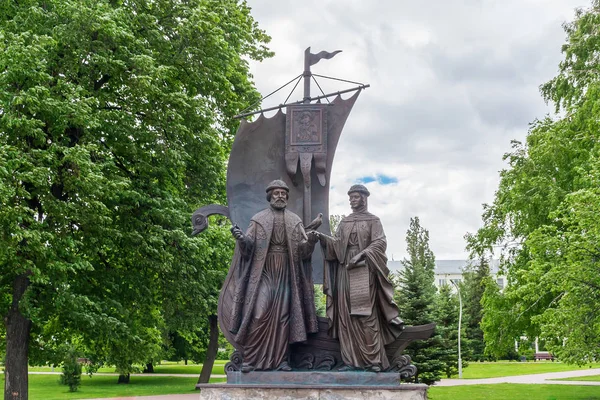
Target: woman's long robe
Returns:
[362, 338]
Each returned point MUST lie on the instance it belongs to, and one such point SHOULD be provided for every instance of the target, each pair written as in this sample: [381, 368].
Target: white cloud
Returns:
[452, 82]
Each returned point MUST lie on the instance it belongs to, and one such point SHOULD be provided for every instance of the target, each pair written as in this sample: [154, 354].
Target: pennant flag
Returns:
[314, 58]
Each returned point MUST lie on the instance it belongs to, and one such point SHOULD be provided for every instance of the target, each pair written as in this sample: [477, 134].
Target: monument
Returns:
[266, 308]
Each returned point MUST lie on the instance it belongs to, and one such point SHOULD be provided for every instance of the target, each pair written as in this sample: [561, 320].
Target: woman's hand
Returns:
[355, 260]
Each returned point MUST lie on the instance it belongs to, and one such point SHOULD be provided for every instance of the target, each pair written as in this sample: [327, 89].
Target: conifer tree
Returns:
[415, 298]
[473, 287]
[446, 319]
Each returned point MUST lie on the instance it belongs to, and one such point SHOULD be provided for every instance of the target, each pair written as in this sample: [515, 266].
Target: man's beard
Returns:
[278, 204]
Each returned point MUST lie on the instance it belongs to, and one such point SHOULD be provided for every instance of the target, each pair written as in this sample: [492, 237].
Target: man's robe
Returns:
[251, 286]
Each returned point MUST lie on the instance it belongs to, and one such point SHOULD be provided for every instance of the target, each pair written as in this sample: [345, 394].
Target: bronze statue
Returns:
[266, 306]
[272, 294]
[360, 306]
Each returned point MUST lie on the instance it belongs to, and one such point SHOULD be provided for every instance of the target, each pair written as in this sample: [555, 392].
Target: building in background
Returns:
[446, 270]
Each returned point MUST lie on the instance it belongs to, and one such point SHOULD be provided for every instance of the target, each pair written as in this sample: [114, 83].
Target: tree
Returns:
[543, 214]
[115, 123]
[71, 375]
[320, 301]
[476, 277]
[415, 298]
[334, 222]
[446, 307]
[199, 330]
[320, 298]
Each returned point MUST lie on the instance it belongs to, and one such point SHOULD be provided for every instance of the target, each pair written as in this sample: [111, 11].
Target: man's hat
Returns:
[359, 189]
[278, 184]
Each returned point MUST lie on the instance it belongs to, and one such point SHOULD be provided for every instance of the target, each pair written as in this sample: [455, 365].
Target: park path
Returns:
[546, 379]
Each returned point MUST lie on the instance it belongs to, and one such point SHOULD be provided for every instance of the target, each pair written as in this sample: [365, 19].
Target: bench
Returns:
[543, 356]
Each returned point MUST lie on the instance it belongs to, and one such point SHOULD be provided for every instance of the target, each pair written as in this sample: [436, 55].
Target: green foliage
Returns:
[579, 69]
[115, 124]
[71, 375]
[334, 221]
[527, 349]
[499, 336]
[446, 313]
[544, 216]
[415, 297]
[476, 278]
[320, 301]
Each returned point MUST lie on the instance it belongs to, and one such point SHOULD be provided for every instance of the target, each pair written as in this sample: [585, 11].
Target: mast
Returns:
[305, 161]
[307, 75]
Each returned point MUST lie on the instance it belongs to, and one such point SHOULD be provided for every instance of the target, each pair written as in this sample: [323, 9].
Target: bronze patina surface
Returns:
[360, 307]
[267, 301]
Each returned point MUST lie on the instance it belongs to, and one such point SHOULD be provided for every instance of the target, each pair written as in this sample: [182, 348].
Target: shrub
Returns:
[71, 375]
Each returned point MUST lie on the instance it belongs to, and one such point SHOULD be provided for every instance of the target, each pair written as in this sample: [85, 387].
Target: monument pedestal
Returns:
[316, 392]
[314, 385]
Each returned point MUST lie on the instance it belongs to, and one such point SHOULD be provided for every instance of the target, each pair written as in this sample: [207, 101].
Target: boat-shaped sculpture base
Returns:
[322, 353]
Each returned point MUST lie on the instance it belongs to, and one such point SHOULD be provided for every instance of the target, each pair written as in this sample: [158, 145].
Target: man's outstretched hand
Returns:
[237, 232]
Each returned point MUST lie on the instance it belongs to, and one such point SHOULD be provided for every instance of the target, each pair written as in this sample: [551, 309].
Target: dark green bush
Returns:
[71, 375]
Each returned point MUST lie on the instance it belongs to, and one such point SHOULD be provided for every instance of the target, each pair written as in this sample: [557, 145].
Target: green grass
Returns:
[187, 369]
[163, 368]
[503, 391]
[477, 370]
[59, 369]
[592, 378]
[46, 387]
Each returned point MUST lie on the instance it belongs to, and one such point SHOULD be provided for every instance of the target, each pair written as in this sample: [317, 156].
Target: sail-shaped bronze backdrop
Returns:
[257, 157]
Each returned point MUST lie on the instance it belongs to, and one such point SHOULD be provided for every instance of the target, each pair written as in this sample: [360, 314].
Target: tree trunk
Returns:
[124, 378]
[211, 352]
[17, 345]
[149, 368]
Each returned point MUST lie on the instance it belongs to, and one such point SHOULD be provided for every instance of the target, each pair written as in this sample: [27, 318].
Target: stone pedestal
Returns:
[312, 378]
[313, 385]
[317, 392]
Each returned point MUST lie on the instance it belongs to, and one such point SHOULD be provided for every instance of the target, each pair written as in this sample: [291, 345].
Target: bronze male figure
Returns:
[273, 299]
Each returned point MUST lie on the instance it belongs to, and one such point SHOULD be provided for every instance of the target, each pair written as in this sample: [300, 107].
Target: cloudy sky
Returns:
[452, 82]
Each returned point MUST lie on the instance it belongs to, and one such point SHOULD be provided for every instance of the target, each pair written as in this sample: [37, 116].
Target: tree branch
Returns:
[99, 83]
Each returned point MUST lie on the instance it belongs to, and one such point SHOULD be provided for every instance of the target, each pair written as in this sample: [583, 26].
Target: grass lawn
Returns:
[163, 368]
[503, 391]
[189, 369]
[593, 378]
[46, 387]
[478, 370]
[59, 369]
